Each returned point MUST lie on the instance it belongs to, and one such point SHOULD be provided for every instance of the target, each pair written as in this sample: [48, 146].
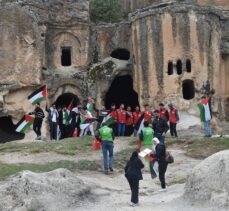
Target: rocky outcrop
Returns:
[208, 183]
[32, 191]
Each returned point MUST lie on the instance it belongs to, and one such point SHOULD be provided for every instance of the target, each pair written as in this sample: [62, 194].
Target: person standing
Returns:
[53, 120]
[164, 114]
[39, 116]
[65, 123]
[160, 127]
[133, 174]
[121, 115]
[74, 117]
[205, 114]
[106, 136]
[148, 114]
[159, 154]
[136, 116]
[113, 114]
[173, 119]
[129, 122]
[60, 126]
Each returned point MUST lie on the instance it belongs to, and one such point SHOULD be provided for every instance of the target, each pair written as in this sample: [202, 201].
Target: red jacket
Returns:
[136, 117]
[113, 114]
[148, 116]
[173, 116]
[121, 116]
[129, 118]
[164, 114]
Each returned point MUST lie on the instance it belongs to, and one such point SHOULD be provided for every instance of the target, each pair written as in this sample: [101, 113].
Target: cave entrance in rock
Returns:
[121, 53]
[65, 99]
[121, 91]
[188, 89]
[7, 130]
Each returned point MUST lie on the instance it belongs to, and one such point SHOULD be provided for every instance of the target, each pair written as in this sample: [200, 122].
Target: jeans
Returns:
[173, 129]
[121, 129]
[107, 146]
[160, 137]
[134, 186]
[207, 128]
[162, 169]
[53, 130]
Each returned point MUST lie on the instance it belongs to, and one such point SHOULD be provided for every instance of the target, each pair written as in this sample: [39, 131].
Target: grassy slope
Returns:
[194, 147]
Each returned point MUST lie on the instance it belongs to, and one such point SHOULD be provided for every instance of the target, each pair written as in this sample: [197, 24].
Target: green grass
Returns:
[200, 147]
[66, 147]
[11, 169]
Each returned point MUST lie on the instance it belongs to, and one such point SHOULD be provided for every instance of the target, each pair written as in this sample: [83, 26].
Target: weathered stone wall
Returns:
[173, 33]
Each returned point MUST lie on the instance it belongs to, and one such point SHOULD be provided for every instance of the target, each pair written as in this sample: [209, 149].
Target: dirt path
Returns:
[45, 157]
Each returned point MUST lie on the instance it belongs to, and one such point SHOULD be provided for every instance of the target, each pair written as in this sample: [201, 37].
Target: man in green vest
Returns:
[146, 137]
[106, 135]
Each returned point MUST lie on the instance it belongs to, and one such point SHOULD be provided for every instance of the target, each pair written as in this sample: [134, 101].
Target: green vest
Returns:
[106, 133]
[147, 136]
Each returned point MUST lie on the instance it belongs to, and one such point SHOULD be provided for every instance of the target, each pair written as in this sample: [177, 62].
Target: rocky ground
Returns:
[101, 192]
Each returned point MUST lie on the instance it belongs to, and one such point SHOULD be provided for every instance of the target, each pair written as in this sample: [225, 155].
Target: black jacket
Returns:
[38, 112]
[160, 153]
[133, 169]
[160, 126]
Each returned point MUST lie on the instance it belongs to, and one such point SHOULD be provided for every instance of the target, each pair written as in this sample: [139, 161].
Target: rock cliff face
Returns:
[174, 51]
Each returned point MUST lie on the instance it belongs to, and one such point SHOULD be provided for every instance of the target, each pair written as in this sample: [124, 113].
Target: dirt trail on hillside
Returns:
[44, 157]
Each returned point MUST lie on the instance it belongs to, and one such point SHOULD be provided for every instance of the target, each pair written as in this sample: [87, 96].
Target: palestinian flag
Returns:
[89, 104]
[85, 124]
[39, 95]
[108, 119]
[24, 123]
[140, 124]
[205, 109]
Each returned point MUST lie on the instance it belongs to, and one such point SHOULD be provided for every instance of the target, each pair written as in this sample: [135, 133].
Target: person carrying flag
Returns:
[74, 118]
[39, 116]
[53, 120]
[66, 123]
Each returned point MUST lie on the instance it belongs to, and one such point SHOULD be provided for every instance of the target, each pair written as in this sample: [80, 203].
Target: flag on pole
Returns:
[108, 119]
[24, 123]
[85, 124]
[89, 104]
[205, 110]
[38, 96]
[140, 124]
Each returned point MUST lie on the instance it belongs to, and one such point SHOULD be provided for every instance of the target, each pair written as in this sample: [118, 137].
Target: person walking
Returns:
[106, 136]
[39, 116]
[53, 121]
[133, 174]
[159, 155]
[160, 127]
[173, 119]
[164, 114]
[136, 116]
[129, 122]
[121, 115]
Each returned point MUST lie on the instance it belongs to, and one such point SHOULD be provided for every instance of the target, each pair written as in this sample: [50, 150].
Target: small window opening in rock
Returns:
[121, 53]
[42, 34]
[66, 58]
[188, 89]
[170, 68]
[7, 130]
[121, 91]
[179, 67]
[188, 66]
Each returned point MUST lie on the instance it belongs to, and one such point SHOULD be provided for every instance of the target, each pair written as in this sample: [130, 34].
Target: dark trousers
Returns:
[53, 131]
[129, 130]
[115, 128]
[160, 137]
[37, 126]
[173, 129]
[134, 186]
[107, 147]
[162, 169]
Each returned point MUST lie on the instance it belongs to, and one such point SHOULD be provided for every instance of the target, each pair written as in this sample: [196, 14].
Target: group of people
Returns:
[127, 122]
[148, 139]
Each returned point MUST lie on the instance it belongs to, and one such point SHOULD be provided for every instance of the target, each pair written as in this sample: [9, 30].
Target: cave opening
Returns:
[170, 68]
[121, 53]
[121, 91]
[188, 66]
[179, 67]
[66, 58]
[7, 130]
[188, 88]
[65, 100]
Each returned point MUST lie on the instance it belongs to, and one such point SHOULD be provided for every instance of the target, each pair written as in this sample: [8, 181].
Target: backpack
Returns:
[168, 157]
